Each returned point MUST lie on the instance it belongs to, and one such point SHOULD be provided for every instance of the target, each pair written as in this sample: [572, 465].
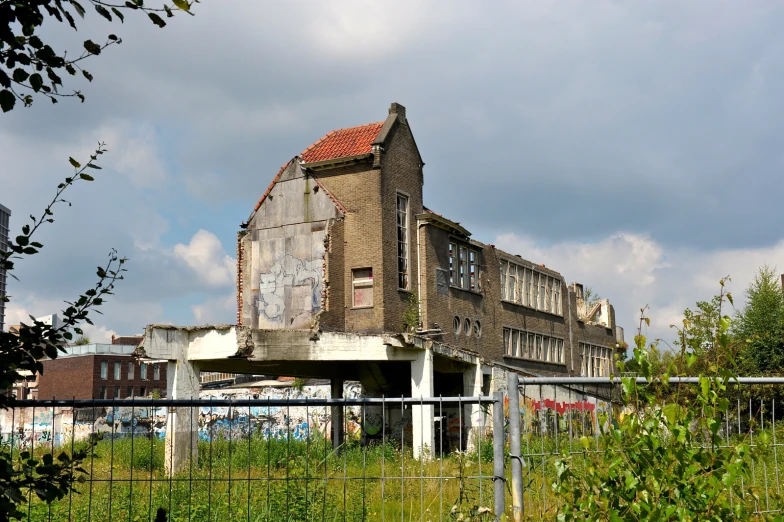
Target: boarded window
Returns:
[362, 287]
[442, 288]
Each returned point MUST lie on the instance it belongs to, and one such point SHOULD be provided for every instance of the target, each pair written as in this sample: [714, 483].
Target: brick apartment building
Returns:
[101, 371]
[342, 242]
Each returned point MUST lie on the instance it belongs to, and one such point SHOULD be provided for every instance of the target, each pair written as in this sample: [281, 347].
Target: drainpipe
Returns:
[419, 272]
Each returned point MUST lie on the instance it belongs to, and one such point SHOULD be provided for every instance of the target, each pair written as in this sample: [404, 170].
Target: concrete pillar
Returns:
[337, 415]
[182, 423]
[472, 413]
[422, 416]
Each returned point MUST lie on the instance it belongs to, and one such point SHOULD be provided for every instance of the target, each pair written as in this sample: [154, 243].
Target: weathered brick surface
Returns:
[80, 377]
[367, 237]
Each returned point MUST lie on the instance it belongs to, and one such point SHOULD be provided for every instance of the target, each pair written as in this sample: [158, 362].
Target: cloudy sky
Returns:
[633, 146]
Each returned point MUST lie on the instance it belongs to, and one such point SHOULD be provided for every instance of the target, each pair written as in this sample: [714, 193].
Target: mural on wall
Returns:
[288, 276]
[23, 431]
[541, 413]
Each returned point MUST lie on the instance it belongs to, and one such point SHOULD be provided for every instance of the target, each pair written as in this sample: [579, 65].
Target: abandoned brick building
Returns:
[344, 274]
[341, 241]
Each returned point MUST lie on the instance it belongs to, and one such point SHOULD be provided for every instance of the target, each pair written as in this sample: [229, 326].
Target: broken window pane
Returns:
[472, 272]
[503, 279]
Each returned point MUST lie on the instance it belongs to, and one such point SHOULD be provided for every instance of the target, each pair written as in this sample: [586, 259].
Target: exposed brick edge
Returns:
[274, 180]
[335, 200]
[240, 260]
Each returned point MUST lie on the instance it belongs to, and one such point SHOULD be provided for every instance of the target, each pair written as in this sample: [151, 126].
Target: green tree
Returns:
[759, 326]
[664, 458]
[29, 65]
[49, 477]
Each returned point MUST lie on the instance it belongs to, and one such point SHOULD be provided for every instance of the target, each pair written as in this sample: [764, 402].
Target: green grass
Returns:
[273, 481]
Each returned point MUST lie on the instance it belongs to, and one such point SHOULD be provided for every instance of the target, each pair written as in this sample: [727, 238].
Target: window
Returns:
[461, 276]
[402, 241]
[102, 392]
[130, 371]
[362, 285]
[143, 392]
[464, 269]
[477, 328]
[456, 325]
[504, 266]
[529, 287]
[117, 370]
[116, 394]
[596, 360]
[452, 252]
[156, 372]
[519, 343]
[130, 391]
[473, 280]
[104, 370]
[467, 327]
[144, 372]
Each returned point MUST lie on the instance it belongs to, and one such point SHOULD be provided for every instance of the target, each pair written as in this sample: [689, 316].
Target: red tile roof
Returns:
[343, 143]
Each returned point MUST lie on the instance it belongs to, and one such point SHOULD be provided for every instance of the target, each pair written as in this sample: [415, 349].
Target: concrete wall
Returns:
[284, 258]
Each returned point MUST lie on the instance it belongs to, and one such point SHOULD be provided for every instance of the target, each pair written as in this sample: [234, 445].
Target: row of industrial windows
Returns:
[518, 343]
[129, 392]
[156, 371]
[596, 360]
[463, 267]
[529, 287]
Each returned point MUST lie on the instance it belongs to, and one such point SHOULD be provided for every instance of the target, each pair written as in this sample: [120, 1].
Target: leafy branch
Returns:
[25, 57]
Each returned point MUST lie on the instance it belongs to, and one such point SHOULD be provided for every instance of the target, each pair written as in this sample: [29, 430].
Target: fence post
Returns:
[514, 445]
[498, 454]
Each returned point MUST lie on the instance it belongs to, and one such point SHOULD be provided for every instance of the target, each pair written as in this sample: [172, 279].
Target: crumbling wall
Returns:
[283, 264]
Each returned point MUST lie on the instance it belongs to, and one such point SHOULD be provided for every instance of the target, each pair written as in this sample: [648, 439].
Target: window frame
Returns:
[463, 257]
[131, 371]
[143, 371]
[533, 346]
[104, 370]
[117, 370]
[524, 285]
[362, 282]
[406, 228]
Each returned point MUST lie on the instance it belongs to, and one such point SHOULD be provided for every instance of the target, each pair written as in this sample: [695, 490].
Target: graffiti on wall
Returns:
[287, 279]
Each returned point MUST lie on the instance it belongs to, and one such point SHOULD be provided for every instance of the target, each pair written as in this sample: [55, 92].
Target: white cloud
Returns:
[633, 270]
[206, 257]
[220, 310]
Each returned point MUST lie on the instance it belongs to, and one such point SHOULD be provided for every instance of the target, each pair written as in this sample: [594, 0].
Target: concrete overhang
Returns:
[224, 342]
[444, 223]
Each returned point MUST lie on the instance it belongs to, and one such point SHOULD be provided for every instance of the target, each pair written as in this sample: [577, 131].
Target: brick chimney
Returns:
[398, 110]
[113, 338]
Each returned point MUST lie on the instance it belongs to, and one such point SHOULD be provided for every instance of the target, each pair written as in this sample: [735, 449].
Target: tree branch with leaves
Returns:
[50, 478]
[29, 66]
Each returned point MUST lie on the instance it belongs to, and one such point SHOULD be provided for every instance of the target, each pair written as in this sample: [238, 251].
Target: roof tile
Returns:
[343, 143]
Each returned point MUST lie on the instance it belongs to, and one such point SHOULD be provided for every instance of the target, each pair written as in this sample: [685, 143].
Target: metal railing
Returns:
[269, 459]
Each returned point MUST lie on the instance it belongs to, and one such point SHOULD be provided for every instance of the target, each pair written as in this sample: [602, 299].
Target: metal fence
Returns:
[351, 459]
[554, 413]
[269, 459]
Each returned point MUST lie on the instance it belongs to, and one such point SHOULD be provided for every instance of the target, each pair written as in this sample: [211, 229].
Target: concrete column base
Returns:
[182, 423]
[422, 416]
[337, 415]
[472, 413]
